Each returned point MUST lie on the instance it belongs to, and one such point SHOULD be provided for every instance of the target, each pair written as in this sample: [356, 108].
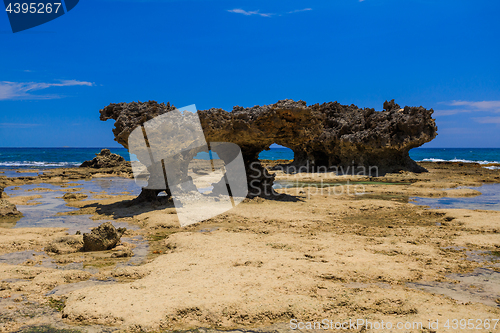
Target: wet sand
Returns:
[335, 247]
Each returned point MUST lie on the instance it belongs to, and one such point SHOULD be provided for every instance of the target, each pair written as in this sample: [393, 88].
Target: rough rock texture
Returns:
[6, 208]
[105, 159]
[65, 245]
[342, 138]
[102, 238]
[365, 140]
[74, 196]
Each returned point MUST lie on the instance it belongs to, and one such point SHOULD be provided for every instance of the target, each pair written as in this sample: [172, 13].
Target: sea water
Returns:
[42, 158]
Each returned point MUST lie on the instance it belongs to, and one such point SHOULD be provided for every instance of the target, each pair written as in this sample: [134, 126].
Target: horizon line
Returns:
[68, 147]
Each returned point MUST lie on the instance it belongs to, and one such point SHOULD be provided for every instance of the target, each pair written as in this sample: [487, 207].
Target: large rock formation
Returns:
[105, 159]
[324, 136]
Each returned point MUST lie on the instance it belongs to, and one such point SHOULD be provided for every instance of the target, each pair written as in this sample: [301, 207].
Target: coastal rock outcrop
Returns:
[328, 136]
[74, 196]
[7, 209]
[105, 159]
[102, 238]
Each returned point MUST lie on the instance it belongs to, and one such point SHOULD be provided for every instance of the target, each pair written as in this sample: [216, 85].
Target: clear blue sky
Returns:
[439, 54]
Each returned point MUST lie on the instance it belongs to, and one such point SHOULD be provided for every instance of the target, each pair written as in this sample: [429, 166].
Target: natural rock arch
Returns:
[278, 157]
[328, 134]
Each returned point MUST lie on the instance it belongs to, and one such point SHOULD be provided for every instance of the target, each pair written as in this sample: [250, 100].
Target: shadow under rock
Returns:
[137, 206]
[282, 197]
[130, 208]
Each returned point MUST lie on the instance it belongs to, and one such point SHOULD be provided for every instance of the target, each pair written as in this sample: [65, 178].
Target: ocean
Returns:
[42, 158]
[36, 158]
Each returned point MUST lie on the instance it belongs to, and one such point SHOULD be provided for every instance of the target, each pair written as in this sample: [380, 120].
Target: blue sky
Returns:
[439, 54]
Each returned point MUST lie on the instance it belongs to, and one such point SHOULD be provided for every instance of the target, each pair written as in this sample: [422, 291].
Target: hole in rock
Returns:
[206, 169]
[277, 153]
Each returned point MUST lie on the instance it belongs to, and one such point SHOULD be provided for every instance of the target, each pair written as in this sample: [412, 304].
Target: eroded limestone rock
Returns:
[328, 136]
[74, 196]
[65, 244]
[105, 159]
[7, 209]
[102, 238]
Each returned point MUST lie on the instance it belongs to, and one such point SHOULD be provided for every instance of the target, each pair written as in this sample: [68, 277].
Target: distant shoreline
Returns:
[48, 158]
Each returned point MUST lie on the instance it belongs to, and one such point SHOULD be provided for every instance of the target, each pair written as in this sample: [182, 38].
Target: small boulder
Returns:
[122, 251]
[105, 159]
[74, 196]
[65, 245]
[8, 210]
[102, 238]
[122, 254]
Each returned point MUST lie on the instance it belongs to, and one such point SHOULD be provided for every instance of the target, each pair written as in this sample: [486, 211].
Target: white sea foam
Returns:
[457, 160]
[38, 164]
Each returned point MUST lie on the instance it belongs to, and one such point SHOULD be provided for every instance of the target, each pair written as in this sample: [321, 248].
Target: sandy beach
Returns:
[239, 166]
[334, 247]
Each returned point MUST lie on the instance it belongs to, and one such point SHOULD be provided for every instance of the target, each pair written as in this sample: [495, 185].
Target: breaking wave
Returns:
[457, 160]
[42, 164]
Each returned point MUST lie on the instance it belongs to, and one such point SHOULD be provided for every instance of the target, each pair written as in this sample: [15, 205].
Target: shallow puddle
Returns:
[109, 186]
[51, 329]
[481, 286]
[488, 200]
[45, 215]
[17, 258]
[140, 251]
[9, 173]
[41, 259]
